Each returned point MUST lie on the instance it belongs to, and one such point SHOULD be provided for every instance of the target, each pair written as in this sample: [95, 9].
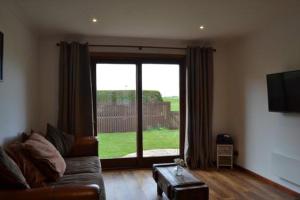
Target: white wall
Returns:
[29, 95]
[48, 79]
[258, 132]
[221, 88]
[49, 73]
[18, 91]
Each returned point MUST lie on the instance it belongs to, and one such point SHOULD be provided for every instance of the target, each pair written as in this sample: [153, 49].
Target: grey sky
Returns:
[161, 77]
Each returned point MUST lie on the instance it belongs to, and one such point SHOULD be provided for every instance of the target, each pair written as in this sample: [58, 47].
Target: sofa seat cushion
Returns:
[78, 165]
[78, 179]
[82, 179]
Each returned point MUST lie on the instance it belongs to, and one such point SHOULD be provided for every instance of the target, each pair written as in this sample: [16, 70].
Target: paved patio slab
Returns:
[156, 153]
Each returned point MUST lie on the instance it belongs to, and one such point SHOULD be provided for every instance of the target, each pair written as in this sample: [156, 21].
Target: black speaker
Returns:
[224, 138]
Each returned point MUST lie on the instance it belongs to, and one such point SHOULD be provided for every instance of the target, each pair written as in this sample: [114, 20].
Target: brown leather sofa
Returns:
[82, 178]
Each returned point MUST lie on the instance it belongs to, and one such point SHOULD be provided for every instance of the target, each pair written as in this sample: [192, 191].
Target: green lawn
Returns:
[116, 145]
[174, 102]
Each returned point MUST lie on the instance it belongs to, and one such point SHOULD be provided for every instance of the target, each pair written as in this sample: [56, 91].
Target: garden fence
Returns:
[122, 117]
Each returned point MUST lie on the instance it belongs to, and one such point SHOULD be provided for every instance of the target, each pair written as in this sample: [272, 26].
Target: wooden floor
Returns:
[223, 184]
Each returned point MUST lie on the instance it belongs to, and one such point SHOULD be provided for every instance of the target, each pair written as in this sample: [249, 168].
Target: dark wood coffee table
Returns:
[187, 186]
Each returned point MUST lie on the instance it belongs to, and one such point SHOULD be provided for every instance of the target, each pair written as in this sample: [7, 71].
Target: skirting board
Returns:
[269, 182]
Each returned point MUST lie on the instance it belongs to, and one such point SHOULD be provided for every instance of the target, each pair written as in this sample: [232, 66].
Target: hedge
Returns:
[127, 96]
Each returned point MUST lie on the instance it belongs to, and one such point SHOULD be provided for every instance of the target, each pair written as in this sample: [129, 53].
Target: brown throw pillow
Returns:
[10, 174]
[62, 141]
[31, 172]
[45, 156]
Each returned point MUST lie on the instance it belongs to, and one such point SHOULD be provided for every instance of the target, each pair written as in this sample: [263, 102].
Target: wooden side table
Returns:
[184, 187]
[224, 155]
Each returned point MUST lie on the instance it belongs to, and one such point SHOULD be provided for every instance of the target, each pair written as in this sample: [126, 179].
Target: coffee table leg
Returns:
[159, 191]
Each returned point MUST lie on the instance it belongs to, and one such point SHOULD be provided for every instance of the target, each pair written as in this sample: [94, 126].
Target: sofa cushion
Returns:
[10, 174]
[82, 179]
[62, 141]
[77, 165]
[31, 172]
[78, 179]
[45, 156]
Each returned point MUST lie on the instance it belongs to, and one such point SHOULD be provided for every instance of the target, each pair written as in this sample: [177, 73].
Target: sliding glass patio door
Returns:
[116, 110]
[161, 106]
[139, 111]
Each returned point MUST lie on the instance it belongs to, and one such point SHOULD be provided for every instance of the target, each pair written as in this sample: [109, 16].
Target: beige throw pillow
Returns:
[45, 156]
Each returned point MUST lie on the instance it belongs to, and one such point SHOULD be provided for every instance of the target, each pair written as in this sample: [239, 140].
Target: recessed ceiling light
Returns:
[94, 20]
[201, 27]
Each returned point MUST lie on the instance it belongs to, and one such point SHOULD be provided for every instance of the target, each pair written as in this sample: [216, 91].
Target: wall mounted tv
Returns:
[284, 91]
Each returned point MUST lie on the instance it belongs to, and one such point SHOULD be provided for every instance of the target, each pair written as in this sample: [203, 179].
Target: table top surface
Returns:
[169, 173]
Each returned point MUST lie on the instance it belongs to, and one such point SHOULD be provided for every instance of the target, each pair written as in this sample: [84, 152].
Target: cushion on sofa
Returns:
[31, 172]
[45, 156]
[62, 141]
[10, 174]
[77, 165]
[82, 179]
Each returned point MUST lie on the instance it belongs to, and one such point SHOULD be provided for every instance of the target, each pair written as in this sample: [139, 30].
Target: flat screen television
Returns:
[1, 56]
[284, 91]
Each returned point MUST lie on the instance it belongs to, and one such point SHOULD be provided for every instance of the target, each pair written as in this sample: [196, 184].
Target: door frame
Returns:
[139, 59]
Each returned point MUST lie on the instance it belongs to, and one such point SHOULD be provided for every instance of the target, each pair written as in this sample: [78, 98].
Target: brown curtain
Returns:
[75, 90]
[199, 107]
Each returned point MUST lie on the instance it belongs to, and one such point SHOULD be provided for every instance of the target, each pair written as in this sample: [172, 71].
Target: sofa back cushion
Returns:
[62, 141]
[34, 176]
[10, 174]
[45, 156]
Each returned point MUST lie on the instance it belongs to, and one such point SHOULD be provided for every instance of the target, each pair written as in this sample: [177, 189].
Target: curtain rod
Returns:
[136, 46]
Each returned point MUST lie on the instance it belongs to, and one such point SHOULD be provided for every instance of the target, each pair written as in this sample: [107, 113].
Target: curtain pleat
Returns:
[199, 107]
[75, 90]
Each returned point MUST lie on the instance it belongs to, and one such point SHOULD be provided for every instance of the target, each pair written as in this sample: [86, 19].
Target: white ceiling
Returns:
[172, 19]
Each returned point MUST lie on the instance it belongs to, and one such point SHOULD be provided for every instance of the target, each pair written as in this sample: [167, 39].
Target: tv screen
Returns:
[284, 91]
[1, 56]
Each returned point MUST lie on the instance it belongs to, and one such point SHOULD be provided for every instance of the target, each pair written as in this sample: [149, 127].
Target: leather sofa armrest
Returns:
[71, 192]
[84, 146]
